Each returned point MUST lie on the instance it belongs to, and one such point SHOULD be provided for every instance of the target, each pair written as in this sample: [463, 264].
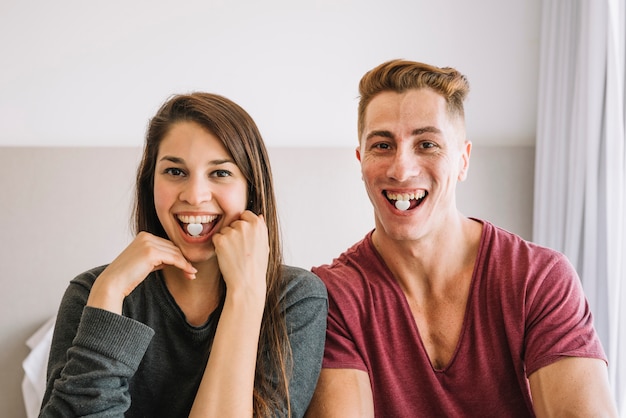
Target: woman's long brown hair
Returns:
[241, 137]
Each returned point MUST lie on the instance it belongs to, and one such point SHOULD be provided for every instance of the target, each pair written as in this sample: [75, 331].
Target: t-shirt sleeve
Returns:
[559, 322]
[93, 355]
[340, 351]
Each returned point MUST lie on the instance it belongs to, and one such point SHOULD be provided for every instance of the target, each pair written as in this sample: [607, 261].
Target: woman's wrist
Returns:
[107, 297]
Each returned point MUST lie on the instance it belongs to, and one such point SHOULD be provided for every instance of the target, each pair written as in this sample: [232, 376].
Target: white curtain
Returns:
[580, 177]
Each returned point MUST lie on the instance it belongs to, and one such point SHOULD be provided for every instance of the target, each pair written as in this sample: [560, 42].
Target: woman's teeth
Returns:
[194, 229]
[195, 224]
[204, 219]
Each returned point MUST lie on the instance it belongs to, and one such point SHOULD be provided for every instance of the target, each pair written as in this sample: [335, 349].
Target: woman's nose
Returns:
[195, 191]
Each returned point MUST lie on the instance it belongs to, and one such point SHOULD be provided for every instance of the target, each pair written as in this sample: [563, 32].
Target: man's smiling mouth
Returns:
[406, 201]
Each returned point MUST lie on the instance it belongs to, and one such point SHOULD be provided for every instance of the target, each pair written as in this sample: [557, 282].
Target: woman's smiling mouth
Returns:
[196, 226]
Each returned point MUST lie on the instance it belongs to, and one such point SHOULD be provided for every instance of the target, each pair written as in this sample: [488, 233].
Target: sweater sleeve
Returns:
[93, 355]
[306, 313]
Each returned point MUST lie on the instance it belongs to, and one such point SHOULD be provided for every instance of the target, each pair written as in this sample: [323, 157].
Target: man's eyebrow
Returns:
[415, 132]
[383, 134]
[426, 129]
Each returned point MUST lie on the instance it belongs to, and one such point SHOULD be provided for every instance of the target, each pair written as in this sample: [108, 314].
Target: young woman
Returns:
[197, 316]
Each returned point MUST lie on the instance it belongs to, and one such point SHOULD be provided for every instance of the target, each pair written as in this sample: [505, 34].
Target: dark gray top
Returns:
[149, 361]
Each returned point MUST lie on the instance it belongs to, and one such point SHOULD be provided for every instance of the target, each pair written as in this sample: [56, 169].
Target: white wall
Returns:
[91, 73]
[64, 210]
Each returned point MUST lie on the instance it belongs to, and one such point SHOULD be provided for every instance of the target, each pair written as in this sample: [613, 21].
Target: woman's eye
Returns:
[173, 171]
[221, 173]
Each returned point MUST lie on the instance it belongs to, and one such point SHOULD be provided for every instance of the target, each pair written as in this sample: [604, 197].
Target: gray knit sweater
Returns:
[149, 361]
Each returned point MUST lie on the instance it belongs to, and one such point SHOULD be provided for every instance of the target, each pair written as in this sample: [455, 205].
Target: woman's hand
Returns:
[145, 254]
[242, 250]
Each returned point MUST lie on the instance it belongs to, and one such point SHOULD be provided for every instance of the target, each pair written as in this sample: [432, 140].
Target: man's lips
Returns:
[404, 201]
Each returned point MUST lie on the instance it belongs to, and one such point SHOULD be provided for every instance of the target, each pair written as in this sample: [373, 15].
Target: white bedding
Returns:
[34, 382]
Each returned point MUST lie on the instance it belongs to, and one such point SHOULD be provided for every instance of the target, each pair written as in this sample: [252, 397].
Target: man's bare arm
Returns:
[342, 393]
[573, 387]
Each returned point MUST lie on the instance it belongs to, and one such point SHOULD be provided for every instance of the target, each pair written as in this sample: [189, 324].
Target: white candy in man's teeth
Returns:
[402, 204]
[194, 229]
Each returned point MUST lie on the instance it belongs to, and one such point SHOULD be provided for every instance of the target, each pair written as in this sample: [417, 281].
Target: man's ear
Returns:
[464, 160]
[357, 151]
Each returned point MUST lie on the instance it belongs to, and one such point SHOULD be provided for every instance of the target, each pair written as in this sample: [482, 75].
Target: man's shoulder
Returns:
[505, 251]
[346, 262]
[503, 240]
[357, 271]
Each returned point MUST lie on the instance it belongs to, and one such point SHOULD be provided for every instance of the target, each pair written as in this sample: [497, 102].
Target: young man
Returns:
[434, 314]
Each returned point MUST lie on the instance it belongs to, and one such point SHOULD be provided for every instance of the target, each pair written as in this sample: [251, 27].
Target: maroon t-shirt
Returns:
[526, 310]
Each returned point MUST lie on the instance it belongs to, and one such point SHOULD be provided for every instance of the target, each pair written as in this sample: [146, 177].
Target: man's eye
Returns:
[382, 145]
[427, 145]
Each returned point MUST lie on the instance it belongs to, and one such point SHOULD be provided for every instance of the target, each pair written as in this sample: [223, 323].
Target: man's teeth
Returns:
[406, 196]
[402, 204]
[402, 200]
[204, 219]
[194, 229]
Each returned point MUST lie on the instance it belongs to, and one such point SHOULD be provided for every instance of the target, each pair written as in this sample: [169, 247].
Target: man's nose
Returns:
[403, 165]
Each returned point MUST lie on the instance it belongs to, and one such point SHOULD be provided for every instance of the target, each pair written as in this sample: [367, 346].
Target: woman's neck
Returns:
[197, 298]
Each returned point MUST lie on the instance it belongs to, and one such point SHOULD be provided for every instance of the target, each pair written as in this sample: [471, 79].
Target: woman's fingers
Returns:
[143, 255]
[242, 250]
[161, 252]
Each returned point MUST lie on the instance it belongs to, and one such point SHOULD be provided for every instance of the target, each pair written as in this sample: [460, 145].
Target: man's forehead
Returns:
[415, 104]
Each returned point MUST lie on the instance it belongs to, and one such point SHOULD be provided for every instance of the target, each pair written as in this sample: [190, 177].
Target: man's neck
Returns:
[434, 262]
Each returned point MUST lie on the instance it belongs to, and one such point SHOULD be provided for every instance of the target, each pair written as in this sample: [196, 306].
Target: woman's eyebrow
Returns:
[172, 159]
[221, 161]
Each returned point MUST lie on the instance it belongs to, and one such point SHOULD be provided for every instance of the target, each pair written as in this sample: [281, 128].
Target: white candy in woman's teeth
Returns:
[402, 204]
[194, 229]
